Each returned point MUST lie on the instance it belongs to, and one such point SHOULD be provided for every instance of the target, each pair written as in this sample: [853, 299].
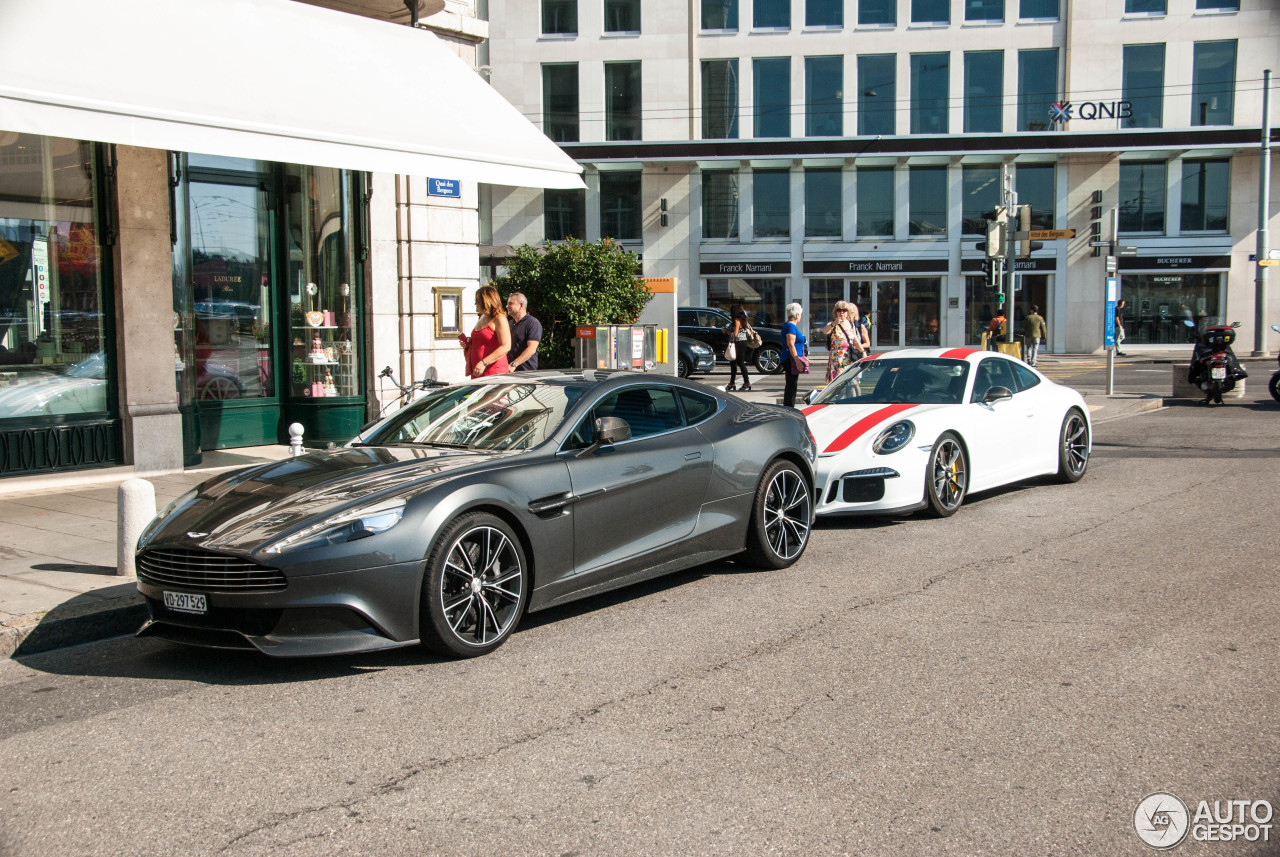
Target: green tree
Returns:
[574, 283]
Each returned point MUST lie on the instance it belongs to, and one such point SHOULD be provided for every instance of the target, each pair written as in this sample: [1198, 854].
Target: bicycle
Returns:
[408, 392]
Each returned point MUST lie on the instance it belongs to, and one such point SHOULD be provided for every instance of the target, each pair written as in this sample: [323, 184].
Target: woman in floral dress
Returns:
[844, 341]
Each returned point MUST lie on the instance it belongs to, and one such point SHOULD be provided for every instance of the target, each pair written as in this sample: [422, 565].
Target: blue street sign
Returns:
[1113, 289]
[444, 187]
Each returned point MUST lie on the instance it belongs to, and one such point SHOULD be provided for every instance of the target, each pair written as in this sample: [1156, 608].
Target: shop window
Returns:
[1142, 196]
[564, 214]
[771, 14]
[1037, 87]
[622, 16]
[1158, 303]
[1038, 9]
[983, 92]
[823, 96]
[823, 205]
[931, 11]
[877, 94]
[771, 78]
[1142, 85]
[984, 10]
[981, 189]
[720, 204]
[720, 99]
[928, 195]
[620, 205]
[771, 203]
[1205, 195]
[763, 298]
[824, 13]
[560, 102]
[622, 100]
[559, 17]
[1213, 76]
[719, 14]
[823, 295]
[1035, 186]
[875, 201]
[877, 12]
[930, 75]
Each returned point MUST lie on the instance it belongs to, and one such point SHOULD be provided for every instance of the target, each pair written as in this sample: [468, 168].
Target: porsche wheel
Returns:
[475, 587]
[1073, 447]
[947, 478]
[780, 517]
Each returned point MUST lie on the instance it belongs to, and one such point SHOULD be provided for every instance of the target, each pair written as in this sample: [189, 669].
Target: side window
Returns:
[647, 410]
[709, 319]
[697, 407]
[1026, 378]
[993, 372]
[686, 317]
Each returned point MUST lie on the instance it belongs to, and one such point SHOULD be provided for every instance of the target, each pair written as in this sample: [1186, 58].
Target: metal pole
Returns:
[1011, 206]
[1264, 204]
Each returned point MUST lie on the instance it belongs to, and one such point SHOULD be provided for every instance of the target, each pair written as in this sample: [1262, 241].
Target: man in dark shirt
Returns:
[526, 333]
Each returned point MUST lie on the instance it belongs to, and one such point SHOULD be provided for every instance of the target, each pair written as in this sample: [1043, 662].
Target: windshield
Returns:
[917, 381]
[477, 416]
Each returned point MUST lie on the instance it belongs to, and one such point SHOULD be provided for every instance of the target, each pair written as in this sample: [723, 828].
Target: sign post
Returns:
[1109, 332]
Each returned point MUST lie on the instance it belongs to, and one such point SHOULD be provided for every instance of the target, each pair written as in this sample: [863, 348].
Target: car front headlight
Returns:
[894, 438]
[702, 350]
[345, 527]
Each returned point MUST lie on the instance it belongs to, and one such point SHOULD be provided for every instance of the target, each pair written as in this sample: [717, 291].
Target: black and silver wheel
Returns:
[1274, 386]
[946, 480]
[768, 358]
[475, 587]
[683, 367]
[1073, 447]
[780, 517]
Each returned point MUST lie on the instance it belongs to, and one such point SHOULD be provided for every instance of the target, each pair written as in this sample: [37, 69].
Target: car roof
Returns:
[971, 355]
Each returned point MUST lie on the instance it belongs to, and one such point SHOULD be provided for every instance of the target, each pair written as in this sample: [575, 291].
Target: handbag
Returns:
[798, 365]
[753, 338]
[731, 352]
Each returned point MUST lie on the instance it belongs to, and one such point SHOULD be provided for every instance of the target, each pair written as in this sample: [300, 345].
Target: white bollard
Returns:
[136, 506]
[295, 439]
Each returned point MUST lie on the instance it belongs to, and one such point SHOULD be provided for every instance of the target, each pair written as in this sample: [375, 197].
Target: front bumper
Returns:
[876, 489]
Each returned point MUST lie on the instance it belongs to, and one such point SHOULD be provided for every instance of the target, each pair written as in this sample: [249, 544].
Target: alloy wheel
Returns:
[786, 514]
[948, 475]
[482, 586]
[1075, 444]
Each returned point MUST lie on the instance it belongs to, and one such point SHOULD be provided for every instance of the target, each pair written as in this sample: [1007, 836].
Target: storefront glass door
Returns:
[902, 312]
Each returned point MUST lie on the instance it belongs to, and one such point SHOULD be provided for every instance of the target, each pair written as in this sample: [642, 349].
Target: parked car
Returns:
[448, 520]
[693, 356]
[708, 325]
[923, 428]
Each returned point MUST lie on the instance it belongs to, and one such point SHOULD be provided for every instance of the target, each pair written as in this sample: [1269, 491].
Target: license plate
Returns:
[186, 602]
[1218, 373]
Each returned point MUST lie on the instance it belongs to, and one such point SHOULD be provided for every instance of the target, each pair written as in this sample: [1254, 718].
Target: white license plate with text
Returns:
[1218, 373]
[186, 602]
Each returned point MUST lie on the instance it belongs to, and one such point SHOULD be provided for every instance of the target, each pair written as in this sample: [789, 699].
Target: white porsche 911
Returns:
[923, 427]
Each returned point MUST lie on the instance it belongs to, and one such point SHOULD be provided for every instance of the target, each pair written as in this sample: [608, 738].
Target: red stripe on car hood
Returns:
[812, 409]
[959, 353]
[865, 425]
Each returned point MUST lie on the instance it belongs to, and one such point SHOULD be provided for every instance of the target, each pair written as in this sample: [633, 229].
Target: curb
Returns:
[71, 625]
[1132, 407]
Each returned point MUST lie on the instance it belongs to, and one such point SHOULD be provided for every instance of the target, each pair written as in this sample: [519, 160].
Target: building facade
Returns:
[769, 151]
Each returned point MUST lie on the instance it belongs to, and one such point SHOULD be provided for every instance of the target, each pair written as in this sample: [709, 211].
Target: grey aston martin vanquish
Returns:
[446, 521]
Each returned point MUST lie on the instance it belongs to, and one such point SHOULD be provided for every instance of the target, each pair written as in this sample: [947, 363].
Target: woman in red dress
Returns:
[490, 340]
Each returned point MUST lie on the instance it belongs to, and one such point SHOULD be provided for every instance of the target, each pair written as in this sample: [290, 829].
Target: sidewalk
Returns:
[58, 585]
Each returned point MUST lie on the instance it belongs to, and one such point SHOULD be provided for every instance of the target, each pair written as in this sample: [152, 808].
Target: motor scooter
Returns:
[1214, 367]
[1274, 387]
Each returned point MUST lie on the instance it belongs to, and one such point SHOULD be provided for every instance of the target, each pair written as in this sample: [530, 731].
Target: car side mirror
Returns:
[812, 397]
[1188, 322]
[609, 430]
[995, 394]
[1235, 324]
[1276, 328]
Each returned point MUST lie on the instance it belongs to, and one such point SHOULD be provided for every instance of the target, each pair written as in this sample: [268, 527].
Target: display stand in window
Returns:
[323, 353]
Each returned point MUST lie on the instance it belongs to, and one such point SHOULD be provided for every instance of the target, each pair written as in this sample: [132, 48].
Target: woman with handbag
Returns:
[794, 363]
[738, 349]
[844, 341]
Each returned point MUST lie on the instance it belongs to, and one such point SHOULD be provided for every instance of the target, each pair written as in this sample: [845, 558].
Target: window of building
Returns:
[877, 94]
[1037, 87]
[824, 13]
[984, 10]
[1044, 9]
[983, 91]
[1218, 5]
[564, 214]
[771, 14]
[877, 12]
[1142, 85]
[931, 11]
[1145, 7]
[1205, 195]
[930, 75]
[559, 17]
[771, 83]
[927, 188]
[875, 201]
[620, 205]
[622, 16]
[981, 188]
[719, 14]
[768, 297]
[1213, 76]
[823, 96]
[719, 203]
[719, 99]
[771, 203]
[823, 203]
[1142, 196]
[622, 101]
[560, 102]
[1034, 184]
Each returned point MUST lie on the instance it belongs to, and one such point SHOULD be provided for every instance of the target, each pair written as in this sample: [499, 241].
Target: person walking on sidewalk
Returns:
[1033, 329]
[526, 333]
[995, 330]
[738, 347]
[1120, 327]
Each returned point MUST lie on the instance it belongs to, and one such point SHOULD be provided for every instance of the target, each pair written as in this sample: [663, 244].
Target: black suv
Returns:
[709, 325]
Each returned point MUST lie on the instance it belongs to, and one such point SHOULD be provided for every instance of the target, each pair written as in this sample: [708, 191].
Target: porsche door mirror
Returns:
[812, 397]
[995, 394]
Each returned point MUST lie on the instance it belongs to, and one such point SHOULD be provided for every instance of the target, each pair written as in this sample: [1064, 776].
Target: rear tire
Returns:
[1073, 447]
[780, 517]
[768, 359]
[946, 478]
[1274, 386]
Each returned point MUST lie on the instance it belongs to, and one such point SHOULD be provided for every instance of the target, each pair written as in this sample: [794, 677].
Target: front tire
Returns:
[780, 517]
[683, 367]
[475, 587]
[946, 478]
[1274, 386]
[1073, 447]
[768, 359]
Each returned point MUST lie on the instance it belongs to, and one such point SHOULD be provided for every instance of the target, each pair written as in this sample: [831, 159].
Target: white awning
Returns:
[273, 80]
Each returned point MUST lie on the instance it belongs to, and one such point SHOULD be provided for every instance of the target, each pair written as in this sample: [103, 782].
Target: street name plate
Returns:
[1050, 234]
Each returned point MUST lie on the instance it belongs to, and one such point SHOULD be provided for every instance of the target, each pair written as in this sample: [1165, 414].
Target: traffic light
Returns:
[997, 239]
[1095, 224]
[1024, 226]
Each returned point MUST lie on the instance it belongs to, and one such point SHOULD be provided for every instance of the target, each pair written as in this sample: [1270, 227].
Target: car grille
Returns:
[197, 569]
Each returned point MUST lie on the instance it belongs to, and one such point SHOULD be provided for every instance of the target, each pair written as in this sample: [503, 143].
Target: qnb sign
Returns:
[1061, 112]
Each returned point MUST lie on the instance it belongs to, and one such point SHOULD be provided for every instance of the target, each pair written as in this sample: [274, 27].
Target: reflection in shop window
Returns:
[1142, 197]
[1205, 195]
[763, 298]
[1158, 304]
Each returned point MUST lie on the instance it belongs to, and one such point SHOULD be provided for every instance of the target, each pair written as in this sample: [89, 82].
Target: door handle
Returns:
[691, 456]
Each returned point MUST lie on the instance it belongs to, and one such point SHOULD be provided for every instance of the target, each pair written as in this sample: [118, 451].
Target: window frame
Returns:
[634, 212]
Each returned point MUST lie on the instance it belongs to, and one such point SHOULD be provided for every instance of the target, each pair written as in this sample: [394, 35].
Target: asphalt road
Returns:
[1012, 680]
